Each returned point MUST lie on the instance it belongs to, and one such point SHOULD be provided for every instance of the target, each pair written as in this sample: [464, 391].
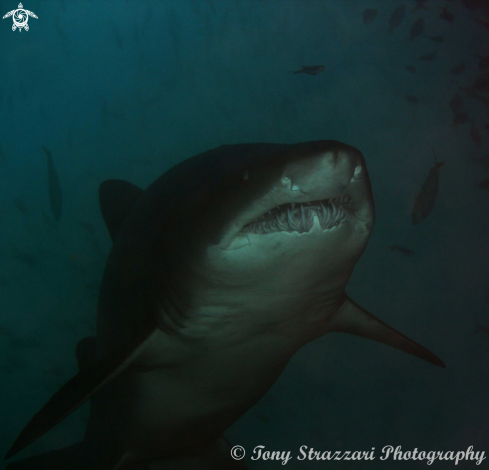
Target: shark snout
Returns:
[329, 172]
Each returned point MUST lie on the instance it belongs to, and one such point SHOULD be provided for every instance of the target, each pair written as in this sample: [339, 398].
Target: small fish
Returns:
[484, 184]
[411, 69]
[310, 70]
[437, 39]
[402, 250]
[457, 104]
[460, 118]
[369, 15]
[416, 29]
[396, 18]
[427, 56]
[411, 99]
[425, 201]
[446, 15]
[483, 23]
[458, 69]
[483, 62]
[420, 5]
[475, 135]
[55, 196]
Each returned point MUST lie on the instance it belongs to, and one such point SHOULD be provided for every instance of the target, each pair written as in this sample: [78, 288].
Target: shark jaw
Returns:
[302, 217]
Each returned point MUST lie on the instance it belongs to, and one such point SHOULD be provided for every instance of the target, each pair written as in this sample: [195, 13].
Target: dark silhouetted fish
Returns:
[475, 135]
[411, 99]
[420, 5]
[446, 15]
[310, 70]
[427, 56]
[416, 29]
[483, 62]
[484, 184]
[457, 104]
[411, 69]
[437, 39]
[401, 249]
[458, 69]
[55, 197]
[369, 15]
[396, 18]
[460, 118]
[425, 201]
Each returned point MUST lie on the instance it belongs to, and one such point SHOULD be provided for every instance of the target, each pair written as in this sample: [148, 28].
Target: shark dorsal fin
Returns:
[116, 199]
[351, 318]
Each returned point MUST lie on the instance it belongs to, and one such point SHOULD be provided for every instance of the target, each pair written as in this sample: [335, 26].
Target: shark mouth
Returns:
[299, 217]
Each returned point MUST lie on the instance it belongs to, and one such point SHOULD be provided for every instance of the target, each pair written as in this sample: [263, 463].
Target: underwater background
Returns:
[127, 89]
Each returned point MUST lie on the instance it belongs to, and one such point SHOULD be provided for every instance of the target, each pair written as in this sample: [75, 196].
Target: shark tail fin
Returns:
[351, 318]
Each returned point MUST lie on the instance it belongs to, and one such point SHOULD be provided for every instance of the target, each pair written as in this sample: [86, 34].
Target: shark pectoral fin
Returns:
[116, 198]
[351, 318]
[78, 390]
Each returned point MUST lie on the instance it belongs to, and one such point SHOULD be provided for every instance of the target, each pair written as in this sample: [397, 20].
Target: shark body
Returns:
[219, 272]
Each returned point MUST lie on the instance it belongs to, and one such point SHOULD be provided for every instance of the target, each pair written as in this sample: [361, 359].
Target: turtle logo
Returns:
[20, 17]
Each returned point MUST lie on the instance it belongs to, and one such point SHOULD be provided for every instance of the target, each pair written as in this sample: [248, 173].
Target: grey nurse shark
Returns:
[219, 272]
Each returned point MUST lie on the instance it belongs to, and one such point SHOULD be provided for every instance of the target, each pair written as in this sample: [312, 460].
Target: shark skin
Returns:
[219, 272]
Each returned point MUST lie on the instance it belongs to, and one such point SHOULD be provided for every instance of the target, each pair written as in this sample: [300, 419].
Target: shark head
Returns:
[285, 232]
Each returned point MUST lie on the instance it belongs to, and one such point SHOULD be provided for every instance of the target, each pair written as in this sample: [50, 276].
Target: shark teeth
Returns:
[299, 217]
